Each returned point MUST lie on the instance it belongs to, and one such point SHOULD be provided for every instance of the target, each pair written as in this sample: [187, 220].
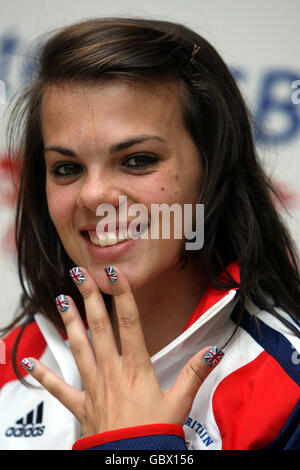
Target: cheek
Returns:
[60, 205]
[174, 191]
[160, 189]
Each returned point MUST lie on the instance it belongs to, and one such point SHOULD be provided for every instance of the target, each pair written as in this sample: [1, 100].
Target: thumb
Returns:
[194, 373]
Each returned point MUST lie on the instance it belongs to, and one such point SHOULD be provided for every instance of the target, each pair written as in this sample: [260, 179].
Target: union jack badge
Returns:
[62, 303]
[77, 275]
[111, 273]
[213, 356]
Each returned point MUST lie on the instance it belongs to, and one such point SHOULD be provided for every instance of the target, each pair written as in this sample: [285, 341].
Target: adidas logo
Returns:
[28, 426]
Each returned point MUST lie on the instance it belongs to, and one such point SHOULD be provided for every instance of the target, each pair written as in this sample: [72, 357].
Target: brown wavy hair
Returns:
[241, 222]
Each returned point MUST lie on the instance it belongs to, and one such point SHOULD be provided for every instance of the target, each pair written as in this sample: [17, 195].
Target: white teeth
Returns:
[109, 239]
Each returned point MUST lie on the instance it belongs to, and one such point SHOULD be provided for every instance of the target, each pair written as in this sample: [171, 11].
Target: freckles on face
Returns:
[90, 120]
[61, 204]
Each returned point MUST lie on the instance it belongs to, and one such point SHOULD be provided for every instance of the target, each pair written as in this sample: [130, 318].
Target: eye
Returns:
[66, 169]
[140, 161]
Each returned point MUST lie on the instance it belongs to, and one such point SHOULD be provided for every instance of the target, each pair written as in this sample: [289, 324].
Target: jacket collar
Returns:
[213, 295]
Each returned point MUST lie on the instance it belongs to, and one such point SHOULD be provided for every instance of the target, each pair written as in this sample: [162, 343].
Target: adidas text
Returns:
[26, 431]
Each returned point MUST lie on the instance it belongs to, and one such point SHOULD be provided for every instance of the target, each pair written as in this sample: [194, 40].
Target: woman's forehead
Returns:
[60, 93]
[154, 105]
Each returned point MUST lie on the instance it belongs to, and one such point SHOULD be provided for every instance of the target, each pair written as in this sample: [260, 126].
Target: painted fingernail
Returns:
[77, 275]
[27, 364]
[111, 273]
[213, 356]
[62, 303]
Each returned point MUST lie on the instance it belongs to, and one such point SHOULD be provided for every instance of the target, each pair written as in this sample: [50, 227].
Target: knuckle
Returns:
[196, 373]
[77, 347]
[98, 326]
[86, 291]
[40, 375]
[127, 321]
[68, 318]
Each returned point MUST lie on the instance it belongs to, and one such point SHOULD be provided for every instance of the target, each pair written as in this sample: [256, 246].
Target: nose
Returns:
[98, 188]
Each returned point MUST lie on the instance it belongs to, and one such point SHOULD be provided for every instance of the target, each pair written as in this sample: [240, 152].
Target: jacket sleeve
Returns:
[148, 437]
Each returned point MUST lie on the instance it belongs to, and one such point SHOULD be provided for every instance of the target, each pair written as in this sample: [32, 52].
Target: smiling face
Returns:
[110, 140]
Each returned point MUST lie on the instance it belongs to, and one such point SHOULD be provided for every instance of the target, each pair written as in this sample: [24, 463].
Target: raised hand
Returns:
[118, 390]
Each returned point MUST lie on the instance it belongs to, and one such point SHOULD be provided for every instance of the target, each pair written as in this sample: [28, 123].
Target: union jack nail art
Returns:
[111, 273]
[27, 364]
[62, 303]
[213, 356]
[77, 275]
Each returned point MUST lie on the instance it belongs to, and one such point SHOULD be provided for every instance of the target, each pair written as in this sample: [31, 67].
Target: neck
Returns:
[165, 305]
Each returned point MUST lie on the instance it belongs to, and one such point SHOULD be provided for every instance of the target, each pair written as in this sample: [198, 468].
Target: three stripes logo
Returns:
[29, 425]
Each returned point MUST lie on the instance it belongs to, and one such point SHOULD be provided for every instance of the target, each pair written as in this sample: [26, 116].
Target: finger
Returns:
[68, 396]
[78, 339]
[132, 338]
[193, 375]
[97, 317]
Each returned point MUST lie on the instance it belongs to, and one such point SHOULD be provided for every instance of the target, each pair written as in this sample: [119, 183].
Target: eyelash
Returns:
[152, 160]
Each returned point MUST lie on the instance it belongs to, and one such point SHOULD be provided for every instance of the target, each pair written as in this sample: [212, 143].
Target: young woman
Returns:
[126, 334]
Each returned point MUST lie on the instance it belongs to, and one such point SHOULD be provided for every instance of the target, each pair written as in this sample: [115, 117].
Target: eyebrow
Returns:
[113, 149]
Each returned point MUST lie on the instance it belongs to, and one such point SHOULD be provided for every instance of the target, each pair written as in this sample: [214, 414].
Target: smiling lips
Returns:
[112, 238]
[108, 239]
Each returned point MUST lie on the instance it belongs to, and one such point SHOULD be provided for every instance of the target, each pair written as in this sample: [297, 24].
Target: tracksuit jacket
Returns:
[249, 401]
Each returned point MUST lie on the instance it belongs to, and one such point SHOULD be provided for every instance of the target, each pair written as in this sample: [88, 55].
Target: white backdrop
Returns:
[258, 39]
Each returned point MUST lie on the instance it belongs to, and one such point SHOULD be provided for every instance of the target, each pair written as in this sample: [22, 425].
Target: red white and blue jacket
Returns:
[251, 400]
